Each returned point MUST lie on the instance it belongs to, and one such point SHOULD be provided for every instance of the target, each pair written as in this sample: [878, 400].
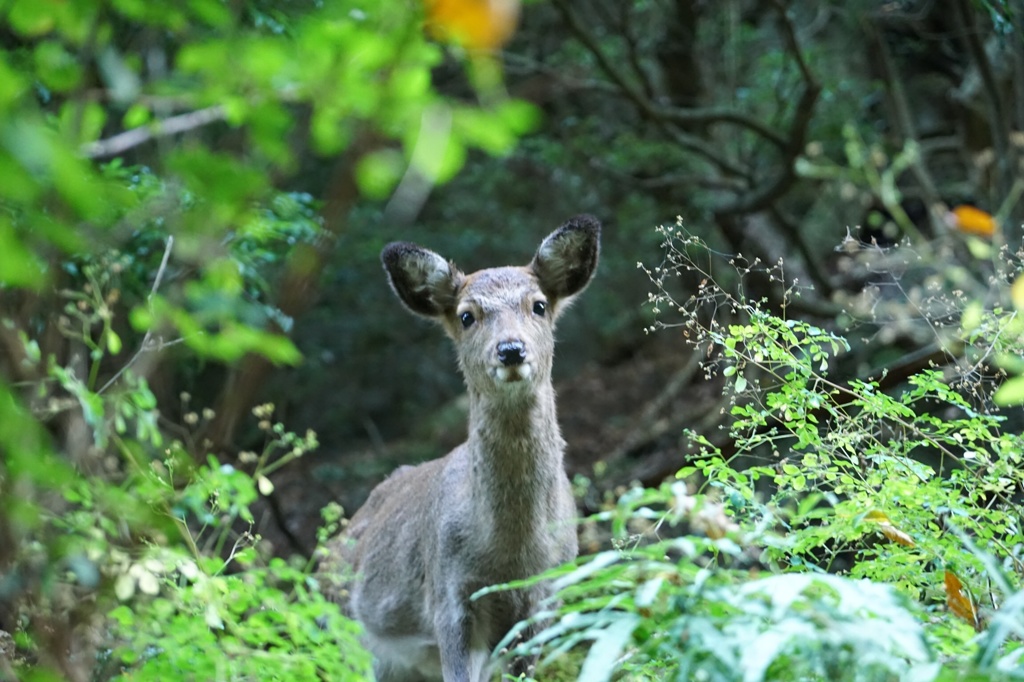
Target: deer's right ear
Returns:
[567, 258]
[425, 281]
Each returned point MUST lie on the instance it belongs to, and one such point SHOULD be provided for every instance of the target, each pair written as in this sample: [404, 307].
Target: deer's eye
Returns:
[539, 308]
[467, 319]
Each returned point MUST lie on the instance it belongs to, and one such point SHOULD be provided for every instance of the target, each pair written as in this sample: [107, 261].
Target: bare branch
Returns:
[998, 120]
[168, 126]
[720, 115]
[629, 34]
[665, 115]
[296, 292]
[796, 135]
[792, 44]
[901, 107]
[163, 266]
[147, 344]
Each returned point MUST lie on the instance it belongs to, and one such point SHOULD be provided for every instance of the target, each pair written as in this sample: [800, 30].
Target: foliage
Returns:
[886, 515]
[224, 615]
[683, 608]
[152, 557]
[247, 140]
[126, 546]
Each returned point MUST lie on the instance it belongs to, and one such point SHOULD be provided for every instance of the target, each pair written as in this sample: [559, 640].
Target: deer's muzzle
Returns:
[511, 353]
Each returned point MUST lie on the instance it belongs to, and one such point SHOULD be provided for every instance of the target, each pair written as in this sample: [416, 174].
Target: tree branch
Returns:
[901, 107]
[629, 35]
[147, 345]
[169, 126]
[796, 135]
[998, 121]
[648, 109]
[297, 293]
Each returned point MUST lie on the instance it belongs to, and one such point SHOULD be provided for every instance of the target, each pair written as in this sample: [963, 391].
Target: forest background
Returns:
[193, 202]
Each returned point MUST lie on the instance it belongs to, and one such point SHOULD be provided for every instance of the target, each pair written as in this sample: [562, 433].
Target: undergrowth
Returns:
[842, 527]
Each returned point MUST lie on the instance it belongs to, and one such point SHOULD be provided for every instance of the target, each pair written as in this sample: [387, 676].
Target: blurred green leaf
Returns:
[520, 116]
[1010, 393]
[32, 17]
[56, 67]
[379, 172]
[19, 267]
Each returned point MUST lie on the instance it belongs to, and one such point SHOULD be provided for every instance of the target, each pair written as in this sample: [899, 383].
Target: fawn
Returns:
[497, 508]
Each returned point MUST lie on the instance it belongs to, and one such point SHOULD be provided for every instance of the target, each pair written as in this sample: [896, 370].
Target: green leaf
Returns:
[607, 647]
[1010, 393]
[1017, 292]
[212, 12]
[971, 318]
[483, 129]
[31, 17]
[648, 592]
[13, 83]
[379, 172]
[124, 616]
[760, 653]
[213, 618]
[266, 487]
[56, 67]
[137, 115]
[979, 248]
[520, 116]
[19, 267]
[113, 342]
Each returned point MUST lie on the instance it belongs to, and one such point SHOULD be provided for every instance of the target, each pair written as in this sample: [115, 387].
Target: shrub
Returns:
[851, 529]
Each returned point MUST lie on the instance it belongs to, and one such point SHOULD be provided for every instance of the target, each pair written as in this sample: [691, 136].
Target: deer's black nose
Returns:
[511, 353]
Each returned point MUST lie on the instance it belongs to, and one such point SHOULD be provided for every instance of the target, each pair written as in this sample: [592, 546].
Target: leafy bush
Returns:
[886, 514]
[694, 608]
[126, 548]
[147, 562]
[219, 612]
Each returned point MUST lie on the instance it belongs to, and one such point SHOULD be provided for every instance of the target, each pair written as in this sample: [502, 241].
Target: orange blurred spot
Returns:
[971, 220]
[475, 24]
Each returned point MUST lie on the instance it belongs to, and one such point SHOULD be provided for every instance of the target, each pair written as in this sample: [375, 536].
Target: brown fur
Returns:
[498, 507]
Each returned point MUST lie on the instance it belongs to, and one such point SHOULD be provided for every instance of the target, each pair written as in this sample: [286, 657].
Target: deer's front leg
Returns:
[461, 660]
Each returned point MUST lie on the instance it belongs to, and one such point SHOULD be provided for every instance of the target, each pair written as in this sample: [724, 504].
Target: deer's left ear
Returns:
[567, 258]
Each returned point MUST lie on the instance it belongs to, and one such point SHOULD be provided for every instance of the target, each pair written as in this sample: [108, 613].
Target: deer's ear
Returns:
[424, 281]
[567, 258]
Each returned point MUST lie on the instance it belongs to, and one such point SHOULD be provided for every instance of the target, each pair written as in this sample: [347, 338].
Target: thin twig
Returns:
[795, 138]
[168, 126]
[629, 35]
[163, 266]
[645, 428]
[146, 346]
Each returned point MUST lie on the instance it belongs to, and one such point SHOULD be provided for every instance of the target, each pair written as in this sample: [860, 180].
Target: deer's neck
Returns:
[517, 451]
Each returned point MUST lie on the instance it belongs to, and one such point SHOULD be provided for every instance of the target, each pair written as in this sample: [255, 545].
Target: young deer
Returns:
[498, 507]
